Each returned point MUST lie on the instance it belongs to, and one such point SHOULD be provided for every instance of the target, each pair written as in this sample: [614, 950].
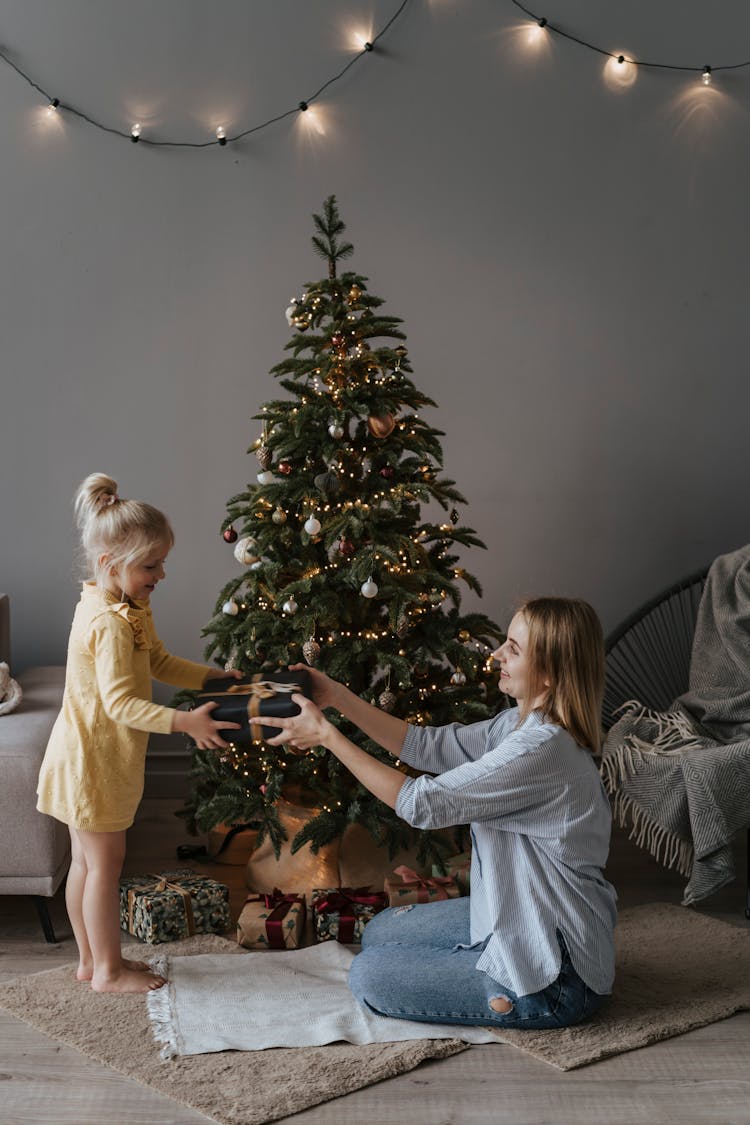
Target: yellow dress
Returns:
[93, 770]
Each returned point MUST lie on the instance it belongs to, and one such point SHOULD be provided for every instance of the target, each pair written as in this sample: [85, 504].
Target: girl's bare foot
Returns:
[86, 972]
[128, 980]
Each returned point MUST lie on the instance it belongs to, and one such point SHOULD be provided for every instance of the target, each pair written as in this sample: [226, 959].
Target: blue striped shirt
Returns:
[540, 829]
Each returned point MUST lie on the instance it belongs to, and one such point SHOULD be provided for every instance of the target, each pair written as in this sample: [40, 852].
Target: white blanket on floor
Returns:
[298, 998]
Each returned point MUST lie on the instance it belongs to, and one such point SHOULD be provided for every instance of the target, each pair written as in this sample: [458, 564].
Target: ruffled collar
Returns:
[135, 613]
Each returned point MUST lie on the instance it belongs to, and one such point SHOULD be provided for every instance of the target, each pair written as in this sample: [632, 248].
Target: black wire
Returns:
[59, 104]
[611, 54]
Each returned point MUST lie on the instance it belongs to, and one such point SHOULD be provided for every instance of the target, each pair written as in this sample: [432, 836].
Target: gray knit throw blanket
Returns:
[681, 778]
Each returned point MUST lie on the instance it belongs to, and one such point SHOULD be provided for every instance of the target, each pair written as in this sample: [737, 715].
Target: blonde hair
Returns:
[566, 665]
[126, 531]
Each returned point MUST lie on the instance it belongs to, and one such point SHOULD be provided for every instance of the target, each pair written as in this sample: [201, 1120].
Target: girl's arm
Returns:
[311, 728]
[175, 670]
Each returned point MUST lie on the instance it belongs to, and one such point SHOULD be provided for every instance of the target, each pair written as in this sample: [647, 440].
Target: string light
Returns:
[135, 133]
[221, 136]
[620, 60]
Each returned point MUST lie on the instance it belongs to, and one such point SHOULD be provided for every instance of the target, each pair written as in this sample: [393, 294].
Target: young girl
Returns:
[532, 947]
[93, 770]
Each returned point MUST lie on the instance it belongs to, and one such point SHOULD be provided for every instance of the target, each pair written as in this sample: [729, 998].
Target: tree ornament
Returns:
[312, 526]
[454, 516]
[311, 651]
[291, 312]
[458, 677]
[402, 626]
[380, 426]
[338, 340]
[346, 548]
[387, 472]
[278, 516]
[335, 429]
[245, 550]
[369, 589]
[290, 607]
[265, 477]
[354, 294]
[464, 635]
[229, 535]
[230, 608]
[386, 701]
[264, 455]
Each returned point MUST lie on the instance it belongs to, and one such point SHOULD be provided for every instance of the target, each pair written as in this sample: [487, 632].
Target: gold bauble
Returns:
[382, 426]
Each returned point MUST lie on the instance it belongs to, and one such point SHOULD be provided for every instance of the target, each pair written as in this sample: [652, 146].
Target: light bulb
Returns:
[54, 103]
[221, 135]
[135, 133]
[706, 76]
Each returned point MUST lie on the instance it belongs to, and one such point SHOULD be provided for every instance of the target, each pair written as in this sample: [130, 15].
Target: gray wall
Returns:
[570, 262]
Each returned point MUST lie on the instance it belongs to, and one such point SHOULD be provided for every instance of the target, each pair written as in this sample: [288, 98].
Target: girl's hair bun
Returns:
[98, 492]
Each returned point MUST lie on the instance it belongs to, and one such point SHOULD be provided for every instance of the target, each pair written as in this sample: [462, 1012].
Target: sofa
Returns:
[34, 849]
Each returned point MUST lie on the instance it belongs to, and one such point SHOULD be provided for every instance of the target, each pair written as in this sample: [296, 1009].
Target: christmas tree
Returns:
[338, 566]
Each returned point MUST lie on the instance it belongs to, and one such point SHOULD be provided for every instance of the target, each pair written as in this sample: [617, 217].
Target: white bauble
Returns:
[336, 430]
[368, 589]
[291, 312]
[265, 477]
[230, 608]
[290, 607]
[312, 525]
[246, 550]
[458, 677]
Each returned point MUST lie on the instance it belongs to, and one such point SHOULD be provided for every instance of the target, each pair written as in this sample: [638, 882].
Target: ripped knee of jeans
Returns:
[501, 1004]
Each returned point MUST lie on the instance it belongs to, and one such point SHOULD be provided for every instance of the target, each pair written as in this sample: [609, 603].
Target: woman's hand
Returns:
[205, 731]
[309, 728]
[323, 687]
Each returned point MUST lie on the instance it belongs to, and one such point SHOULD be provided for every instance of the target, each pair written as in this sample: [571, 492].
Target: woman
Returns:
[533, 945]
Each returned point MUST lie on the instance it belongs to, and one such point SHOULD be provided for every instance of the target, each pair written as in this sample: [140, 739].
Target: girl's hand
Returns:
[309, 728]
[205, 731]
[323, 687]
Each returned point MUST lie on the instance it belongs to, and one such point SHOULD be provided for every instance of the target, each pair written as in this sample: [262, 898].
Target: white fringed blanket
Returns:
[298, 998]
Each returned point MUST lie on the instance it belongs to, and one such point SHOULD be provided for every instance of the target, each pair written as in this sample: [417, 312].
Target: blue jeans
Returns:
[413, 966]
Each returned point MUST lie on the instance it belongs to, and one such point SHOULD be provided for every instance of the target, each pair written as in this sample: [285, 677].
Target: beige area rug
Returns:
[232, 1087]
[677, 970]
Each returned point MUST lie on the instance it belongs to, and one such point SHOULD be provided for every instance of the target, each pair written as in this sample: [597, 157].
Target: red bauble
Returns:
[387, 472]
[285, 467]
[346, 548]
[230, 535]
[338, 340]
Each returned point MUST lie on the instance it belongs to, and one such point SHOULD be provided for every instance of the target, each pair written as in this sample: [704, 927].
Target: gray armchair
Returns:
[34, 849]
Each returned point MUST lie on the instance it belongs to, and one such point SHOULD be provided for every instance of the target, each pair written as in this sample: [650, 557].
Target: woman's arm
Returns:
[387, 730]
[311, 728]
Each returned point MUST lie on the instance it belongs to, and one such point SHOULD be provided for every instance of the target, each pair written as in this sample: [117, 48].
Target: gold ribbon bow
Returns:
[162, 884]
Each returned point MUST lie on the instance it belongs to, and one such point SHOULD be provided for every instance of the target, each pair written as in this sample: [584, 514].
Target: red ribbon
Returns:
[342, 902]
[425, 883]
[279, 904]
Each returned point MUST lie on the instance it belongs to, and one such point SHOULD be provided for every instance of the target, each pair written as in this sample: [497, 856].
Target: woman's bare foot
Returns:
[128, 980]
[86, 972]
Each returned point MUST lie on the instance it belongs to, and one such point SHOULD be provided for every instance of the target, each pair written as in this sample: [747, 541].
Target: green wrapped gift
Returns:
[173, 905]
[341, 913]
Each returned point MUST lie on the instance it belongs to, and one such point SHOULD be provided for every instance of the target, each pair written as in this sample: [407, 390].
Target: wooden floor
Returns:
[696, 1079]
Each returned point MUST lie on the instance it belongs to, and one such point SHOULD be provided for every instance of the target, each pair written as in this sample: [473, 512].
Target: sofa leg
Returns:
[43, 912]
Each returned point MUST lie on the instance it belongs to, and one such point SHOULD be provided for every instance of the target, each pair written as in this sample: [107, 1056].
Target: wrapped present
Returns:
[341, 913]
[173, 905]
[405, 886]
[265, 693]
[457, 866]
[272, 921]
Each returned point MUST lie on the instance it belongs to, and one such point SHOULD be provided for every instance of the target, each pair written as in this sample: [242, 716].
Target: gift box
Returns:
[265, 693]
[459, 868]
[272, 921]
[405, 886]
[341, 913]
[173, 905]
